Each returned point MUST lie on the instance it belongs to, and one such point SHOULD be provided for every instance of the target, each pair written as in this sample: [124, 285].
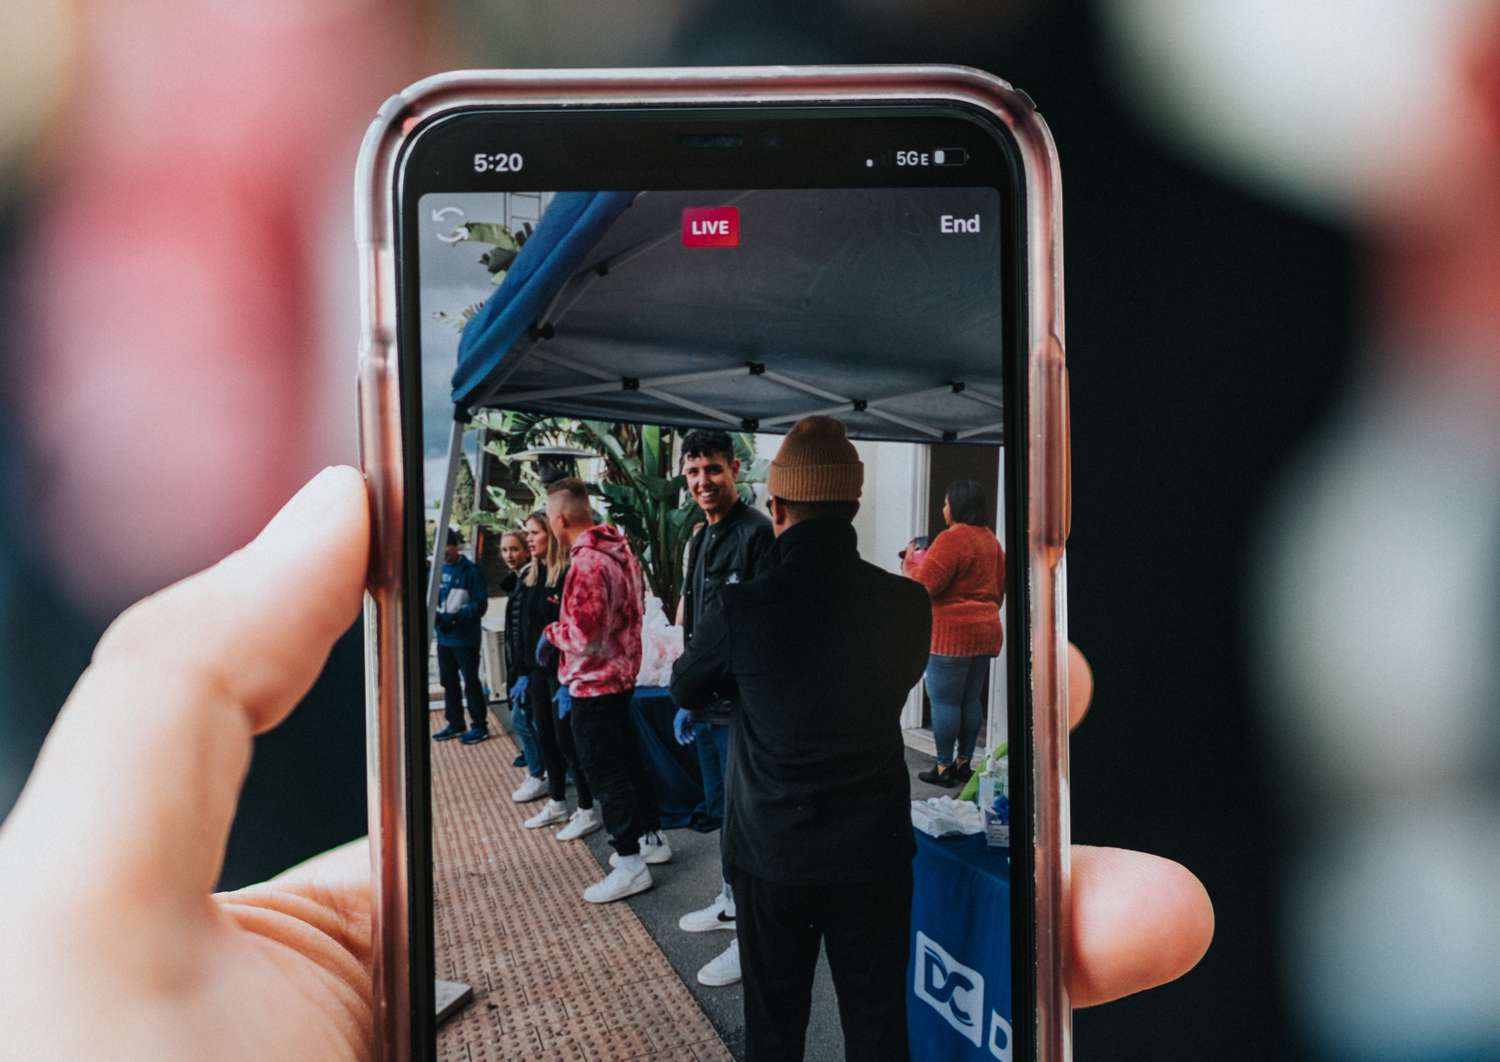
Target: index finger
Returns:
[141, 773]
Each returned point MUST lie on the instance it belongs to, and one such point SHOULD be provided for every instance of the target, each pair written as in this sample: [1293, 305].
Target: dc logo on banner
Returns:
[949, 987]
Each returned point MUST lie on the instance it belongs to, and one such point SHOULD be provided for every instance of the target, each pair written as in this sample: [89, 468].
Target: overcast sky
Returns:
[452, 278]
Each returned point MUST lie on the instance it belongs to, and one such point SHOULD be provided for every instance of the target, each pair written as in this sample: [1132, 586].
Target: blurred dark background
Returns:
[1213, 326]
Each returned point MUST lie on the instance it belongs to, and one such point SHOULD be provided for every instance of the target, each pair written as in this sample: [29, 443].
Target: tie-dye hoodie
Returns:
[599, 628]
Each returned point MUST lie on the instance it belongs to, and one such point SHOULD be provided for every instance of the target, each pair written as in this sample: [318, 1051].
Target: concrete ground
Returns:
[553, 977]
[690, 881]
[557, 978]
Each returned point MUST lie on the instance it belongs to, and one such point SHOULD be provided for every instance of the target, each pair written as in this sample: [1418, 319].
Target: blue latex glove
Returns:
[518, 691]
[546, 652]
[564, 701]
[682, 727]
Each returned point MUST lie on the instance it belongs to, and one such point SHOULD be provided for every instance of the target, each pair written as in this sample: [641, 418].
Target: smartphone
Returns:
[596, 303]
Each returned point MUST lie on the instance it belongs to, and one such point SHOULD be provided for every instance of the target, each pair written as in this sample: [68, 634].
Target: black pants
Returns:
[453, 661]
[555, 736]
[866, 927]
[612, 760]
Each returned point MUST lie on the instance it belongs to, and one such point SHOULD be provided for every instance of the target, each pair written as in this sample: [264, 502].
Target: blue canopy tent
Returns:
[605, 314]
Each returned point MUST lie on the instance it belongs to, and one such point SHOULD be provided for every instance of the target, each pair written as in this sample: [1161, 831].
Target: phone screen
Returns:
[717, 678]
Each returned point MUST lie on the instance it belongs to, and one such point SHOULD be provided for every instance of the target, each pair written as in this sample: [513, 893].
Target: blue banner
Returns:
[959, 1006]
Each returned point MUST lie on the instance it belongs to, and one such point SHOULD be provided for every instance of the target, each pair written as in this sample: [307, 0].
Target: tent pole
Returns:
[980, 396]
[904, 422]
[706, 411]
[623, 383]
[445, 513]
[979, 431]
[792, 418]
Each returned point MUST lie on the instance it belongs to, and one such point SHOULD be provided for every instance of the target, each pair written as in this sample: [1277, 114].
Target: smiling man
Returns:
[734, 547]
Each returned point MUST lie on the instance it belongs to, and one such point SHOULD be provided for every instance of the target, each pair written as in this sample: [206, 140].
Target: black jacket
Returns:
[514, 589]
[527, 613]
[819, 653]
[735, 550]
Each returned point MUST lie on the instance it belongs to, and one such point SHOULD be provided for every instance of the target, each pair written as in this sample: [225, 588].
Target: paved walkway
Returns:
[553, 977]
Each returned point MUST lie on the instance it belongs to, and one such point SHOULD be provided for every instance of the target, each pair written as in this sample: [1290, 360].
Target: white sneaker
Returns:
[584, 822]
[716, 915]
[552, 811]
[621, 882]
[654, 850]
[533, 788]
[724, 970]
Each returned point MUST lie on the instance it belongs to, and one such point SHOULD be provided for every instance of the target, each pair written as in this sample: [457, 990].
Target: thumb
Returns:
[139, 778]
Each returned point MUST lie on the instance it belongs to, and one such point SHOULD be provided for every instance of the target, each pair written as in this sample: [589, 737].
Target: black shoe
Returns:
[448, 733]
[519, 761]
[474, 735]
[940, 776]
[962, 772]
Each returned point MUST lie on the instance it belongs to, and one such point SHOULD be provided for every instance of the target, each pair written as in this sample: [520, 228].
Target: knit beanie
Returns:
[816, 463]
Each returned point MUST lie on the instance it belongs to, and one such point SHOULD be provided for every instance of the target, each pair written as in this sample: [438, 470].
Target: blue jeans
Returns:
[521, 726]
[955, 686]
[713, 760]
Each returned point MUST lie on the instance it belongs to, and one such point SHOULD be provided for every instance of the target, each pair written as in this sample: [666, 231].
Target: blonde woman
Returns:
[543, 582]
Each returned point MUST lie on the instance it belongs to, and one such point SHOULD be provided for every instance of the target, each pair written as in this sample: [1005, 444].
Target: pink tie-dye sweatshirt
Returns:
[599, 628]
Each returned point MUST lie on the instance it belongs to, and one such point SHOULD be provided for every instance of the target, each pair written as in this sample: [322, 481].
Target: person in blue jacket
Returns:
[462, 599]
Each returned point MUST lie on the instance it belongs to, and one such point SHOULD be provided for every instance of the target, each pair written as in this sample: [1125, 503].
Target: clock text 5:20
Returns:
[501, 162]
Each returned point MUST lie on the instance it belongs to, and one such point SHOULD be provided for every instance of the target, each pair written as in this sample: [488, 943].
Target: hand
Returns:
[564, 699]
[518, 691]
[107, 862]
[1138, 920]
[682, 727]
[546, 652]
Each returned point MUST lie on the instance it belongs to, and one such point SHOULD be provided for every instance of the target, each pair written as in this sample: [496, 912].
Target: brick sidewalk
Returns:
[553, 977]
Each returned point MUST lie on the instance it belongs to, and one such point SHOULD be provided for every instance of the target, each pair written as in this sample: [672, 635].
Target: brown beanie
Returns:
[816, 463]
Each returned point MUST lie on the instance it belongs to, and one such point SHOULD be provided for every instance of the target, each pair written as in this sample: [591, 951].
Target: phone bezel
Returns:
[1034, 451]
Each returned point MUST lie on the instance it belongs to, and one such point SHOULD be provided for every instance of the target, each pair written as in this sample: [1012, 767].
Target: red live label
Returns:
[711, 226]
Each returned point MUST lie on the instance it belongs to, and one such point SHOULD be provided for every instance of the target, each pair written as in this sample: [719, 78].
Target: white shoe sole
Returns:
[634, 890]
[564, 835]
[712, 981]
[652, 857]
[704, 927]
[530, 824]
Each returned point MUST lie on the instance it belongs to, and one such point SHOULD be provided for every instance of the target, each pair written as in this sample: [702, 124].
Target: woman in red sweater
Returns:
[964, 573]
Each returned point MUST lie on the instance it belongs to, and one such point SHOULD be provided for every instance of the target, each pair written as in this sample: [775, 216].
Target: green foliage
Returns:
[458, 321]
[490, 232]
[642, 491]
[647, 501]
[463, 493]
[503, 246]
[646, 497]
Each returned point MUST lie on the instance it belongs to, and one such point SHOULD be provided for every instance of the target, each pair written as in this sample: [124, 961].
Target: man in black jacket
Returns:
[818, 655]
[734, 546]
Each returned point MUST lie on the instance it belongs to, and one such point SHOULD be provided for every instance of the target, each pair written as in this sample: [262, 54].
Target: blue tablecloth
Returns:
[674, 768]
[959, 1006]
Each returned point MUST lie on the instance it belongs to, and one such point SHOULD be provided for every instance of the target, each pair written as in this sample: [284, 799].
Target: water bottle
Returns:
[994, 798]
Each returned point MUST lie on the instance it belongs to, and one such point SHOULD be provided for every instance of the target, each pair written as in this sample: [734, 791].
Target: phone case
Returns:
[1047, 458]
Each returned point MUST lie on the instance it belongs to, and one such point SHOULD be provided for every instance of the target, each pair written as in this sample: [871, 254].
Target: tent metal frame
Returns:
[652, 385]
[608, 383]
[569, 294]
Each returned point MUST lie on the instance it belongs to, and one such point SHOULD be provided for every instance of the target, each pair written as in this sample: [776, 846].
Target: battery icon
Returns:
[950, 157]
